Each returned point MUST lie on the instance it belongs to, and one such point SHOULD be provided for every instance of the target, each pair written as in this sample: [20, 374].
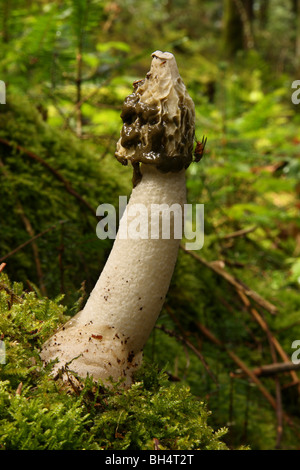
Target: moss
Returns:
[39, 411]
[31, 191]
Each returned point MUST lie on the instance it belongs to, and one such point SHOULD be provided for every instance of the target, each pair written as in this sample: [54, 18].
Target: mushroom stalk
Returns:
[107, 337]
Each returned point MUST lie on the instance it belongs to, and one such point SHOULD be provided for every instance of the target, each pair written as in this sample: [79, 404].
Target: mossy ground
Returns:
[41, 412]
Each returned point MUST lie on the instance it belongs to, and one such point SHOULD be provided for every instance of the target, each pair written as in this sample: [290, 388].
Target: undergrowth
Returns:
[41, 412]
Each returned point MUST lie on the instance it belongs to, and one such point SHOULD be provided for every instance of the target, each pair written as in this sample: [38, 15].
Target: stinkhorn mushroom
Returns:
[106, 339]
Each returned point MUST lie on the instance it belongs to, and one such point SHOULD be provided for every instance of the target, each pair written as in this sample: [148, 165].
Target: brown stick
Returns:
[61, 250]
[30, 231]
[246, 370]
[246, 24]
[234, 282]
[275, 368]
[20, 247]
[239, 233]
[78, 91]
[239, 362]
[263, 324]
[57, 175]
[274, 347]
[191, 346]
[35, 249]
[2, 266]
[279, 411]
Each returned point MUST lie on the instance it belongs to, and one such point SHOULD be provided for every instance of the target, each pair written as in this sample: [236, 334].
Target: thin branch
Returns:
[206, 332]
[238, 233]
[269, 370]
[35, 249]
[78, 91]
[20, 247]
[189, 345]
[234, 282]
[246, 24]
[2, 266]
[239, 362]
[56, 173]
[264, 326]
[279, 411]
[30, 231]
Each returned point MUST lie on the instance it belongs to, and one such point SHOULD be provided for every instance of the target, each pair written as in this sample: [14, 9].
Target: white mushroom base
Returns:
[106, 338]
[84, 350]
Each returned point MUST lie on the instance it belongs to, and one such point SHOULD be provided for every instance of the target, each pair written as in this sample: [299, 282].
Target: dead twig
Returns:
[269, 397]
[264, 326]
[30, 231]
[239, 362]
[35, 249]
[234, 282]
[238, 233]
[2, 266]
[19, 388]
[20, 247]
[190, 346]
[269, 370]
[56, 173]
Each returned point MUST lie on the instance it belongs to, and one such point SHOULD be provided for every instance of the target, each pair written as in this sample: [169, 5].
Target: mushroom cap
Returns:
[158, 119]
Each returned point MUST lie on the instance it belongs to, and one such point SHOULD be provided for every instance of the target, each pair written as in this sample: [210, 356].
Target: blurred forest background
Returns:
[233, 309]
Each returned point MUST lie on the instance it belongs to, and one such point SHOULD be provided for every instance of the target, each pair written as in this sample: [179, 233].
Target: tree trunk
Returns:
[5, 17]
[296, 10]
[263, 13]
[233, 29]
[237, 32]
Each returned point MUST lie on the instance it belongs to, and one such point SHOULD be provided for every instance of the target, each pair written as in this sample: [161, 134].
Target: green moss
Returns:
[30, 190]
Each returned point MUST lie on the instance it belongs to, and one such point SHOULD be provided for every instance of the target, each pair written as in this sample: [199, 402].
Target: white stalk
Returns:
[107, 337]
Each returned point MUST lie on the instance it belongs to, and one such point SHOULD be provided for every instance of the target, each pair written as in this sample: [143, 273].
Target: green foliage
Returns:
[25, 323]
[39, 422]
[159, 410]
